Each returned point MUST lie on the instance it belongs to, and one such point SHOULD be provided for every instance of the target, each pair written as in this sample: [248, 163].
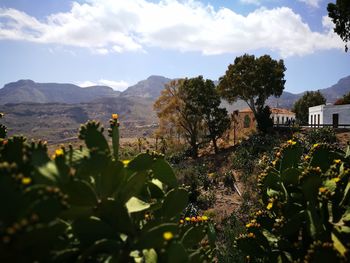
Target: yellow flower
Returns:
[115, 116]
[322, 189]
[291, 142]
[248, 225]
[168, 235]
[315, 145]
[307, 157]
[336, 179]
[204, 218]
[181, 221]
[59, 152]
[269, 205]
[338, 161]
[126, 162]
[251, 235]
[26, 180]
[187, 219]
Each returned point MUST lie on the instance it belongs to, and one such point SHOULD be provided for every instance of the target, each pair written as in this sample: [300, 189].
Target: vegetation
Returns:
[85, 205]
[307, 207]
[253, 80]
[189, 108]
[344, 100]
[340, 15]
[309, 99]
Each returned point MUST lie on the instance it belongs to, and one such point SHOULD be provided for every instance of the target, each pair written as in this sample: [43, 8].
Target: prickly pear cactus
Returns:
[307, 215]
[86, 205]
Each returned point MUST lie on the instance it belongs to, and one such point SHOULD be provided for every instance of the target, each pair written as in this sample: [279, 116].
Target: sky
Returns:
[120, 42]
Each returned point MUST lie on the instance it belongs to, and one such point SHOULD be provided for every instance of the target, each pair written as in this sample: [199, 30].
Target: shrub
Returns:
[320, 135]
[86, 205]
[307, 201]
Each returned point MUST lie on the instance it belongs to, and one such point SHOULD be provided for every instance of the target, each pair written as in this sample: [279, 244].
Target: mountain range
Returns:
[54, 111]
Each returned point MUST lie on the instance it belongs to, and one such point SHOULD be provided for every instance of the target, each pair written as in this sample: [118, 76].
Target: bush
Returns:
[86, 205]
[307, 200]
[320, 135]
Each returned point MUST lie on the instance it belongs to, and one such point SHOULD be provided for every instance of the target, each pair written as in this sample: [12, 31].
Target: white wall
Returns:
[326, 113]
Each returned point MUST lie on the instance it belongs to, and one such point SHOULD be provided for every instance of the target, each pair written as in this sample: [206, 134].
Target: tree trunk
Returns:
[215, 145]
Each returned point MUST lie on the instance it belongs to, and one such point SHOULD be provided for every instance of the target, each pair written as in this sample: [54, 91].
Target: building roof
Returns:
[273, 110]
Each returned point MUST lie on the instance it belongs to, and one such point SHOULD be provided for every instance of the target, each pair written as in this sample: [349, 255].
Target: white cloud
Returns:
[116, 85]
[312, 3]
[254, 2]
[134, 25]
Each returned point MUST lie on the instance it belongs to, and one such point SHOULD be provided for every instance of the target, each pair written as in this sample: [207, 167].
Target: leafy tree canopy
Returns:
[340, 15]
[309, 99]
[253, 80]
[344, 100]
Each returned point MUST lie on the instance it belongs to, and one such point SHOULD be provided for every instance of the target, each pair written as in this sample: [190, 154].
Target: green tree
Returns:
[191, 107]
[253, 80]
[204, 95]
[344, 100]
[309, 99]
[340, 15]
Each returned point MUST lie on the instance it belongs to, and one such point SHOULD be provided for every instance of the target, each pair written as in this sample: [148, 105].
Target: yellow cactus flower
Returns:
[59, 152]
[168, 235]
[338, 161]
[336, 179]
[26, 180]
[269, 205]
[291, 142]
[126, 162]
[187, 219]
[322, 189]
[115, 116]
[251, 235]
[205, 218]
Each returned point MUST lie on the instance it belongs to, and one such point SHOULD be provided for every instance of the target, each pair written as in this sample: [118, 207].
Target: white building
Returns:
[335, 115]
[282, 116]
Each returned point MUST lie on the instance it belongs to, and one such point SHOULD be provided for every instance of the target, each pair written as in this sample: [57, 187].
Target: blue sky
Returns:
[119, 42]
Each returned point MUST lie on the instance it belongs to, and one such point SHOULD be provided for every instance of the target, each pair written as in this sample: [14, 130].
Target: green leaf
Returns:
[150, 255]
[141, 162]
[153, 238]
[80, 193]
[290, 176]
[111, 177]
[103, 246]
[291, 157]
[136, 205]
[115, 214]
[163, 171]
[177, 253]
[338, 245]
[90, 230]
[133, 186]
[175, 202]
[193, 236]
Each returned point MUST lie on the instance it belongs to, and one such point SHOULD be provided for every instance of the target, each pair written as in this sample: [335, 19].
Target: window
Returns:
[311, 120]
[246, 122]
[318, 119]
[282, 119]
